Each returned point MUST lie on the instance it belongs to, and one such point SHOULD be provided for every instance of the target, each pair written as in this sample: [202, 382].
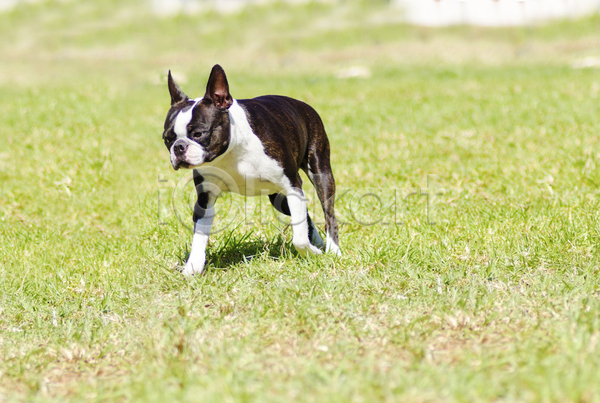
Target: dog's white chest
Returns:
[246, 168]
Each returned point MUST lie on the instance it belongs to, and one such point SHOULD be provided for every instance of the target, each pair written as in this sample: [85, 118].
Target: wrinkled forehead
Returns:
[179, 117]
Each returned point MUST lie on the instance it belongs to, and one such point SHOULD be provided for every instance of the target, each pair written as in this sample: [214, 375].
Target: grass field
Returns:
[490, 294]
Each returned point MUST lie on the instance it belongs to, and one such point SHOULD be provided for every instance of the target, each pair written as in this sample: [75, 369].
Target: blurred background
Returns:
[44, 41]
[424, 12]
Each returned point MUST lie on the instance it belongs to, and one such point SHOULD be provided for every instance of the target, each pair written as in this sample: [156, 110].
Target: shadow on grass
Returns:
[235, 248]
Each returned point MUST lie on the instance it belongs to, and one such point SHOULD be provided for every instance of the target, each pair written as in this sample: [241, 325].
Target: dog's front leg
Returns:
[299, 214]
[204, 214]
[197, 258]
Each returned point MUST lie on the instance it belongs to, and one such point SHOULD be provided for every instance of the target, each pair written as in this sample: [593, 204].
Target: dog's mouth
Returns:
[180, 164]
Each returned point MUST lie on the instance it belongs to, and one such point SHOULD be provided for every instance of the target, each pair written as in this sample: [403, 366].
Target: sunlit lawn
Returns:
[490, 294]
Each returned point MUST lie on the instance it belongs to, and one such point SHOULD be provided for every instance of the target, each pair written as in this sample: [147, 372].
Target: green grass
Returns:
[499, 300]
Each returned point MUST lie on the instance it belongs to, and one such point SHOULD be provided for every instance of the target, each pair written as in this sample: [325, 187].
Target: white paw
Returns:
[192, 268]
[332, 247]
[315, 250]
[335, 250]
[305, 249]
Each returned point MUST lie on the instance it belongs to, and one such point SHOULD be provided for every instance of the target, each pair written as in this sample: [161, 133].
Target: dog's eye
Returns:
[169, 137]
[199, 134]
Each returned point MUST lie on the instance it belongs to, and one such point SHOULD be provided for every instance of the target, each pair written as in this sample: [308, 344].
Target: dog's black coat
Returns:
[290, 131]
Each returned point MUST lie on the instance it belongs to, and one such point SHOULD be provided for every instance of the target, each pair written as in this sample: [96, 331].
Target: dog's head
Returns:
[197, 130]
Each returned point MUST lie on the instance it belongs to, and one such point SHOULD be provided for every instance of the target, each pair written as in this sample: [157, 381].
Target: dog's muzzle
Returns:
[186, 153]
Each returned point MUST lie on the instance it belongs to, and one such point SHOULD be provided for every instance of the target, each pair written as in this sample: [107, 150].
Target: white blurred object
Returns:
[492, 12]
[587, 63]
[354, 72]
[423, 12]
[6, 5]
[174, 7]
[419, 12]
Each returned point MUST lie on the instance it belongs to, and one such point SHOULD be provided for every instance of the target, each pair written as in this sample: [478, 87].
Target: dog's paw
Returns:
[305, 249]
[315, 251]
[191, 269]
[332, 247]
[335, 251]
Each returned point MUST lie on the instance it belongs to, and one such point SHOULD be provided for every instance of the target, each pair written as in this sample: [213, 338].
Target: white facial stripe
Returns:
[183, 119]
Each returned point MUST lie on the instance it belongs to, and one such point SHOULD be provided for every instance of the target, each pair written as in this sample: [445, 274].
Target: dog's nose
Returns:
[179, 149]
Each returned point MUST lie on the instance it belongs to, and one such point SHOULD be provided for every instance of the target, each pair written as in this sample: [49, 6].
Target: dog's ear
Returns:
[217, 88]
[176, 94]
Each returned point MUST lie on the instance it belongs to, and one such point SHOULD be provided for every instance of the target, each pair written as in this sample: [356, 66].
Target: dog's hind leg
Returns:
[279, 201]
[300, 226]
[319, 173]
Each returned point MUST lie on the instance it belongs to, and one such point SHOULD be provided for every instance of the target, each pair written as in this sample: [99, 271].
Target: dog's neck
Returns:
[239, 128]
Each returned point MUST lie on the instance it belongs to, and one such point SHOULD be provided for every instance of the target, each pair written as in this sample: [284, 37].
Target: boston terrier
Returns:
[251, 147]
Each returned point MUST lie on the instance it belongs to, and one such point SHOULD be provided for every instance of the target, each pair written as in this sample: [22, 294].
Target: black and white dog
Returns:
[251, 147]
